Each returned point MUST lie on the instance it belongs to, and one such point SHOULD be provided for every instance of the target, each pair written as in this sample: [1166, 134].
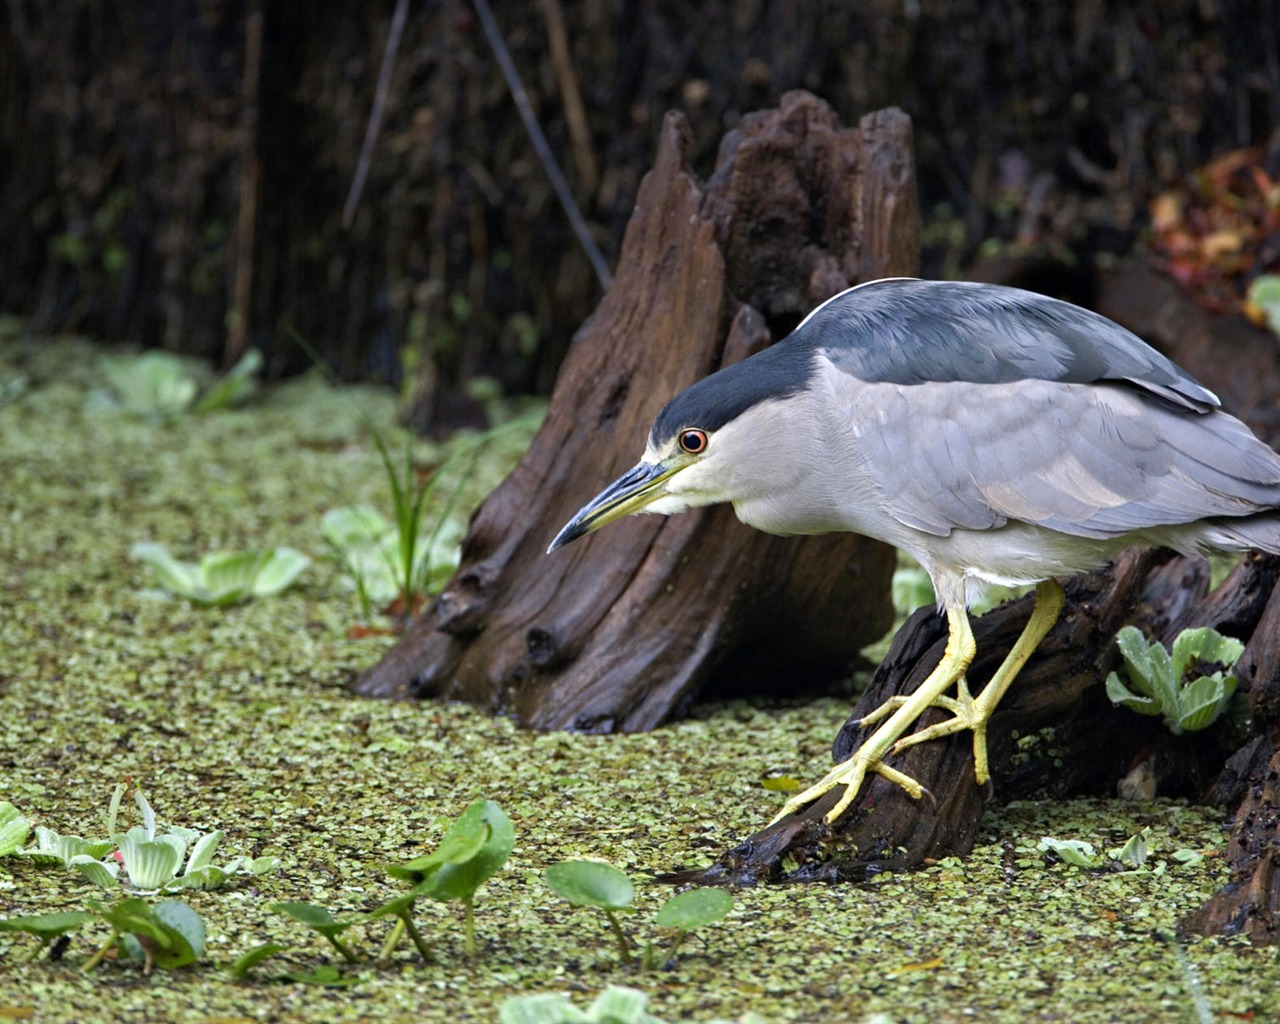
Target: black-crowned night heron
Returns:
[996, 435]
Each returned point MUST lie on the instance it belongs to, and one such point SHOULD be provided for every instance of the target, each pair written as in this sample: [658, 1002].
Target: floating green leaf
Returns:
[47, 927]
[151, 863]
[588, 883]
[1264, 294]
[101, 873]
[1075, 852]
[694, 909]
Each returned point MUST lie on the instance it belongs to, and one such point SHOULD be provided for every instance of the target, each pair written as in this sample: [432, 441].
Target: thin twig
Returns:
[250, 176]
[374, 126]
[540, 145]
[575, 113]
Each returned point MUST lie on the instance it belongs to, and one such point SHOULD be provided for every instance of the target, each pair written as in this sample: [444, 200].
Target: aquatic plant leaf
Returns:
[315, 917]
[1135, 852]
[325, 976]
[353, 526]
[1204, 645]
[542, 1008]
[1075, 852]
[1264, 294]
[693, 909]
[281, 568]
[622, 1005]
[153, 386]
[1122, 696]
[226, 577]
[459, 881]
[1202, 702]
[250, 959]
[175, 938]
[151, 863]
[105, 874]
[52, 847]
[588, 883]
[132, 915]
[47, 926]
[181, 578]
[237, 387]
[457, 847]
[202, 852]
[14, 829]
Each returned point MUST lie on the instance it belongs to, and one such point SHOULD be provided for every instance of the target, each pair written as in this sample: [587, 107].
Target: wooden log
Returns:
[622, 630]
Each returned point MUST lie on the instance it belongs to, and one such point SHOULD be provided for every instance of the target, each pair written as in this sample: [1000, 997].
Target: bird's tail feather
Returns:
[1258, 533]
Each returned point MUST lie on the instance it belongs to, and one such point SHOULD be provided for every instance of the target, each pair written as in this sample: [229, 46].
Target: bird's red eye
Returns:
[693, 441]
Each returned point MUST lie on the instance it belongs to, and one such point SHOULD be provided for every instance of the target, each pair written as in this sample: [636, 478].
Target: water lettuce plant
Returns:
[1263, 301]
[617, 1004]
[14, 829]
[224, 577]
[159, 386]
[235, 387]
[371, 550]
[1139, 853]
[1160, 683]
[154, 386]
[589, 883]
[1081, 854]
[52, 848]
[143, 857]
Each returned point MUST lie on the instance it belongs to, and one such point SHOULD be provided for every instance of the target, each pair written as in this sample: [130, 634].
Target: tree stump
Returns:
[623, 629]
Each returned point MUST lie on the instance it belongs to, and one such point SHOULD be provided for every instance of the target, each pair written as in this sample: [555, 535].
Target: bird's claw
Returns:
[850, 774]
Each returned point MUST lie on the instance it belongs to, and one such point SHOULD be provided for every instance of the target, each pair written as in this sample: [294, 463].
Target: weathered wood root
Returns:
[1074, 741]
[623, 629]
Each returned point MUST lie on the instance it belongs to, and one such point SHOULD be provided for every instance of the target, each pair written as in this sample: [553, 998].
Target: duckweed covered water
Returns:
[239, 719]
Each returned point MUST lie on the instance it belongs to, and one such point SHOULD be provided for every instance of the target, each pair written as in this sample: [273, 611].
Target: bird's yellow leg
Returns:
[975, 712]
[868, 757]
[955, 705]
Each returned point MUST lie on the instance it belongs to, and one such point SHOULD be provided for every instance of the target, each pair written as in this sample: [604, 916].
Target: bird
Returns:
[997, 436]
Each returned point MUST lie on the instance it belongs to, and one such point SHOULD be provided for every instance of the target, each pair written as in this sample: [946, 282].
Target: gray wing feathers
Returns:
[1087, 460]
[911, 332]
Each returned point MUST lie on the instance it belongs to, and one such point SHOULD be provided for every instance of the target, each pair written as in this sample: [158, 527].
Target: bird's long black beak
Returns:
[631, 492]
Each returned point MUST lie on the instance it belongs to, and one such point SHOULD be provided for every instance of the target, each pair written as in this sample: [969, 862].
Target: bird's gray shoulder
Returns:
[907, 331]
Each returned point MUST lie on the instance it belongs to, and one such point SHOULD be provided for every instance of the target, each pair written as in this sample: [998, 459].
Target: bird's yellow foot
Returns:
[851, 774]
[967, 713]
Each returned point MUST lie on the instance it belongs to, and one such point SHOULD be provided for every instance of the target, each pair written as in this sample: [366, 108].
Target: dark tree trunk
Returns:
[1074, 741]
[623, 629]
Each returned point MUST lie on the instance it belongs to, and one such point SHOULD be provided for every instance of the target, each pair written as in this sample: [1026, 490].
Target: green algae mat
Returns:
[237, 718]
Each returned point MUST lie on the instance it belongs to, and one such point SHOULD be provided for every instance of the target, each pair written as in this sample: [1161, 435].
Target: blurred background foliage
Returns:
[175, 174]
